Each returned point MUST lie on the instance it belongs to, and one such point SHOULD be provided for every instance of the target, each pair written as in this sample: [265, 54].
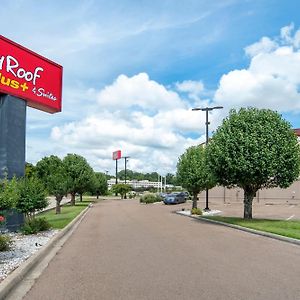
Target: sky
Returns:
[133, 71]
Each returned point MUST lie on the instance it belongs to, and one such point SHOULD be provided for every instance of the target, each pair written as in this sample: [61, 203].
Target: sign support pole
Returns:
[12, 136]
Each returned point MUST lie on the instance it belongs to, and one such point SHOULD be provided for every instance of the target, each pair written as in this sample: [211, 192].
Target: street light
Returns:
[207, 109]
[126, 160]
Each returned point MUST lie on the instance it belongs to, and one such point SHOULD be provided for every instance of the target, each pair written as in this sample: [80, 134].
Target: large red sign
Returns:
[29, 76]
[116, 154]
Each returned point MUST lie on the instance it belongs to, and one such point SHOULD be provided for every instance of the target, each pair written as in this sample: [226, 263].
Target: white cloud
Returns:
[272, 79]
[138, 91]
[193, 88]
[265, 45]
[141, 117]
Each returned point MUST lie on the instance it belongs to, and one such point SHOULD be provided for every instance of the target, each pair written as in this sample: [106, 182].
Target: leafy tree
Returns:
[52, 172]
[29, 170]
[80, 174]
[121, 189]
[254, 149]
[192, 172]
[9, 193]
[100, 184]
[32, 196]
[171, 179]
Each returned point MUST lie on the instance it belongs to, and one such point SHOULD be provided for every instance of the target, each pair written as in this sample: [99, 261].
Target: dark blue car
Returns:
[174, 198]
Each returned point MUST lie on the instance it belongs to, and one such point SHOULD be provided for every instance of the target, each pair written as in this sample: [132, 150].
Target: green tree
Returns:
[52, 172]
[254, 149]
[121, 189]
[192, 172]
[32, 196]
[80, 174]
[171, 179]
[9, 193]
[29, 169]
[100, 184]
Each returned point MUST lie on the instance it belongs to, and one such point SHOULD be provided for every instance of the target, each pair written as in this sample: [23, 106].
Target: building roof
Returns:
[297, 131]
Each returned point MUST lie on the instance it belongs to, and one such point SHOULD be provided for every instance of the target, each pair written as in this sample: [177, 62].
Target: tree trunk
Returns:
[72, 199]
[97, 195]
[195, 198]
[249, 194]
[58, 200]
[80, 197]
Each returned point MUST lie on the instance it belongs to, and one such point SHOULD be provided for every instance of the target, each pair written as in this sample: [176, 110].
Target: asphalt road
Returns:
[124, 250]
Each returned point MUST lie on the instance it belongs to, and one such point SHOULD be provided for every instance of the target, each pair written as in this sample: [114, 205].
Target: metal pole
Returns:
[125, 169]
[157, 183]
[206, 109]
[125, 158]
[116, 171]
[206, 142]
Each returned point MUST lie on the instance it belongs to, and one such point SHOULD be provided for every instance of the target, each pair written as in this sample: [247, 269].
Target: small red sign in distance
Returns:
[116, 154]
[30, 76]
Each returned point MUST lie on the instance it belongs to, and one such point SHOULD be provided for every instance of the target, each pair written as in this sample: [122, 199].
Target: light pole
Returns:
[125, 160]
[207, 109]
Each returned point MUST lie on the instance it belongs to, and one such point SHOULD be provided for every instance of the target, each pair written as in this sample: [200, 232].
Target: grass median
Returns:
[68, 213]
[285, 228]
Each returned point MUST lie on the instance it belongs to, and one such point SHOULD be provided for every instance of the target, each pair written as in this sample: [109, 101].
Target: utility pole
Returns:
[126, 160]
[207, 109]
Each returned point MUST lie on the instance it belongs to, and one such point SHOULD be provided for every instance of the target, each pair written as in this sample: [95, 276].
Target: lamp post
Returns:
[126, 160]
[207, 109]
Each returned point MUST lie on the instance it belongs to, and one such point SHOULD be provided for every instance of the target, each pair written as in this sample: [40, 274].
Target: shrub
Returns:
[5, 243]
[35, 225]
[196, 211]
[9, 193]
[150, 198]
[32, 196]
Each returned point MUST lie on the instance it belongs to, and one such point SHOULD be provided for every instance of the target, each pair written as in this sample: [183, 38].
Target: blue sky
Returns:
[134, 69]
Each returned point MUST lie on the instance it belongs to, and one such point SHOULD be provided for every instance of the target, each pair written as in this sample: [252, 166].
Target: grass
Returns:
[68, 213]
[285, 228]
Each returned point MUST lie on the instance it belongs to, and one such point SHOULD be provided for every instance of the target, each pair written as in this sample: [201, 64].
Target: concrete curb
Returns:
[249, 230]
[13, 279]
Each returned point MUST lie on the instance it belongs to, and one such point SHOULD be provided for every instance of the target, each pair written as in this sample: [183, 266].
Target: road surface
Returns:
[125, 250]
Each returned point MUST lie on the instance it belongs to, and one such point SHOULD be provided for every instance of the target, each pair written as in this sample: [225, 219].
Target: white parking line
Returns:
[289, 218]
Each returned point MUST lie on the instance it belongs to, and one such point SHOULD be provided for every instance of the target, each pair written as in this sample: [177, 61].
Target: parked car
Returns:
[162, 195]
[174, 198]
[186, 195]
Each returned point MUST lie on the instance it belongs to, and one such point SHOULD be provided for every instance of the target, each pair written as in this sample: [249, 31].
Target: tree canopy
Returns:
[79, 173]
[192, 172]
[121, 188]
[254, 149]
[99, 186]
[52, 172]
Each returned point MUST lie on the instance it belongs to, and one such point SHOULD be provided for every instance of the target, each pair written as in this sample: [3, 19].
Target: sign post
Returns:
[116, 155]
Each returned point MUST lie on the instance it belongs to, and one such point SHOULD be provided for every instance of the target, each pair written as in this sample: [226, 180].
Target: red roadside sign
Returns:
[30, 76]
[117, 155]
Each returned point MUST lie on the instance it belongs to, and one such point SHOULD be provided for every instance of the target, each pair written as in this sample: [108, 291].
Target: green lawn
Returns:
[281, 227]
[68, 213]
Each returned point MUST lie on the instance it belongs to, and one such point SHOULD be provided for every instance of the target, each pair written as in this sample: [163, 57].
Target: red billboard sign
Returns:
[116, 154]
[29, 76]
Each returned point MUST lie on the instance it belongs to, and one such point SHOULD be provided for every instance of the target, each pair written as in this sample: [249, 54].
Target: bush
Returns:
[32, 196]
[35, 225]
[9, 193]
[196, 211]
[150, 198]
[5, 243]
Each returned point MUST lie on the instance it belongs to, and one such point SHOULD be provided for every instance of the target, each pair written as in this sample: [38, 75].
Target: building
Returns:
[146, 184]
